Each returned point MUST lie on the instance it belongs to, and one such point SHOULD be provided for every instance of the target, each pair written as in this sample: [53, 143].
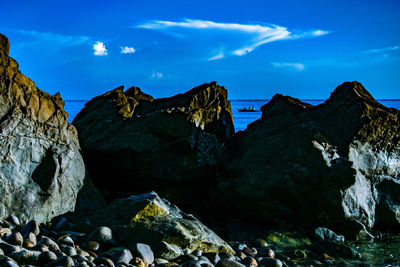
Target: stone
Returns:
[167, 251]
[42, 169]
[66, 240]
[171, 145]
[144, 252]
[30, 240]
[64, 261]
[197, 253]
[149, 219]
[46, 257]
[51, 244]
[270, 262]
[317, 165]
[322, 233]
[123, 256]
[93, 245]
[30, 227]
[16, 239]
[101, 234]
[212, 257]
[249, 261]
[228, 263]
[250, 251]
[103, 261]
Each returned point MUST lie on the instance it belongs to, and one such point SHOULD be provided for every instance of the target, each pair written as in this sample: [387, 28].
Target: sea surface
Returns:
[240, 119]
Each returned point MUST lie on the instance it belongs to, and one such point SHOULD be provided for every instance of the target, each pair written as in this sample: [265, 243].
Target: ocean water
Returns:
[240, 119]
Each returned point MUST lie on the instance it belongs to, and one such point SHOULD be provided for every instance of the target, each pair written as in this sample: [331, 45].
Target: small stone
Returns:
[271, 253]
[101, 234]
[16, 239]
[322, 233]
[64, 261]
[186, 258]
[123, 256]
[5, 232]
[14, 220]
[166, 251]
[103, 261]
[159, 261]
[10, 264]
[239, 247]
[51, 244]
[30, 240]
[140, 263]
[1, 252]
[69, 251]
[229, 263]
[241, 255]
[212, 257]
[46, 257]
[30, 227]
[225, 255]
[187, 251]
[250, 251]
[80, 258]
[197, 253]
[270, 262]
[261, 243]
[144, 252]
[66, 240]
[93, 245]
[249, 261]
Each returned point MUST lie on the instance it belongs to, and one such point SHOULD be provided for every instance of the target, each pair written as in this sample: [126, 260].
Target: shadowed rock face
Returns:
[318, 164]
[41, 169]
[133, 143]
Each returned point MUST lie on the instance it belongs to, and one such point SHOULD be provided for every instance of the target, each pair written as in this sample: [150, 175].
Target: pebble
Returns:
[123, 256]
[30, 227]
[270, 262]
[144, 252]
[239, 246]
[197, 253]
[46, 257]
[229, 263]
[212, 257]
[5, 232]
[51, 244]
[93, 245]
[159, 261]
[14, 220]
[16, 239]
[249, 261]
[64, 261]
[66, 240]
[101, 234]
[30, 240]
[250, 251]
[103, 261]
[69, 251]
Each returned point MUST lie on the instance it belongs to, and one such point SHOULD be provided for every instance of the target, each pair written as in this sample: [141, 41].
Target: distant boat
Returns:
[247, 110]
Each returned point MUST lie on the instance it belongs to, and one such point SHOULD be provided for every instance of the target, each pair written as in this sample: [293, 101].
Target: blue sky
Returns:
[254, 48]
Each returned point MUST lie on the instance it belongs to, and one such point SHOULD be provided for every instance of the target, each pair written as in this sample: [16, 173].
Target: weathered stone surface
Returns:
[318, 164]
[154, 221]
[134, 144]
[41, 168]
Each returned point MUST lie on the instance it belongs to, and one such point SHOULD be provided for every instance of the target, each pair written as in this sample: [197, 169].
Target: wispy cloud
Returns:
[381, 50]
[127, 50]
[216, 57]
[156, 75]
[99, 49]
[237, 39]
[52, 41]
[290, 65]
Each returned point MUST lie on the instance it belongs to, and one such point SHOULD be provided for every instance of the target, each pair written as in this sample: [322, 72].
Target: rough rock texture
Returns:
[132, 143]
[41, 168]
[319, 164]
[154, 221]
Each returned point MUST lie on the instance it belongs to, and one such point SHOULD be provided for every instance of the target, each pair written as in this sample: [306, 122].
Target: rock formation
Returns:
[41, 169]
[326, 164]
[133, 143]
[149, 219]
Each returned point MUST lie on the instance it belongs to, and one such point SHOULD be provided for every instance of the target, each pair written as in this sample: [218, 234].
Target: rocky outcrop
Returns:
[149, 219]
[41, 169]
[324, 164]
[133, 143]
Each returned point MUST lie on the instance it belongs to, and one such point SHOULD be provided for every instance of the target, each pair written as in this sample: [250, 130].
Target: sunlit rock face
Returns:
[41, 168]
[321, 164]
[133, 143]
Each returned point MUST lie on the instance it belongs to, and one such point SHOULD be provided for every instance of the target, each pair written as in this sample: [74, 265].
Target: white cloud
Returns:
[295, 66]
[157, 75]
[100, 49]
[237, 39]
[216, 57]
[381, 50]
[127, 50]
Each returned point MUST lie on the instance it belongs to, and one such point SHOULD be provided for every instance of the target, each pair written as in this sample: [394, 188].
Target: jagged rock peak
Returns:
[280, 104]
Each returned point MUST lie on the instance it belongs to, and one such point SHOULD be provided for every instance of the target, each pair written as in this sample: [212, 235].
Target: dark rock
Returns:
[322, 233]
[270, 262]
[16, 239]
[197, 253]
[212, 257]
[123, 256]
[317, 164]
[228, 263]
[144, 252]
[103, 261]
[30, 240]
[171, 145]
[166, 251]
[335, 250]
[93, 245]
[101, 234]
[249, 261]
[42, 169]
[46, 257]
[30, 227]
[64, 261]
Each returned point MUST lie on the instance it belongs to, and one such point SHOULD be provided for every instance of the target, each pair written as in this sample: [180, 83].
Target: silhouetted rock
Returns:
[316, 165]
[41, 168]
[132, 143]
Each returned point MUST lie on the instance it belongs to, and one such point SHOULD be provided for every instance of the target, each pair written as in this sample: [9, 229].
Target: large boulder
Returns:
[133, 143]
[41, 168]
[318, 165]
[148, 219]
